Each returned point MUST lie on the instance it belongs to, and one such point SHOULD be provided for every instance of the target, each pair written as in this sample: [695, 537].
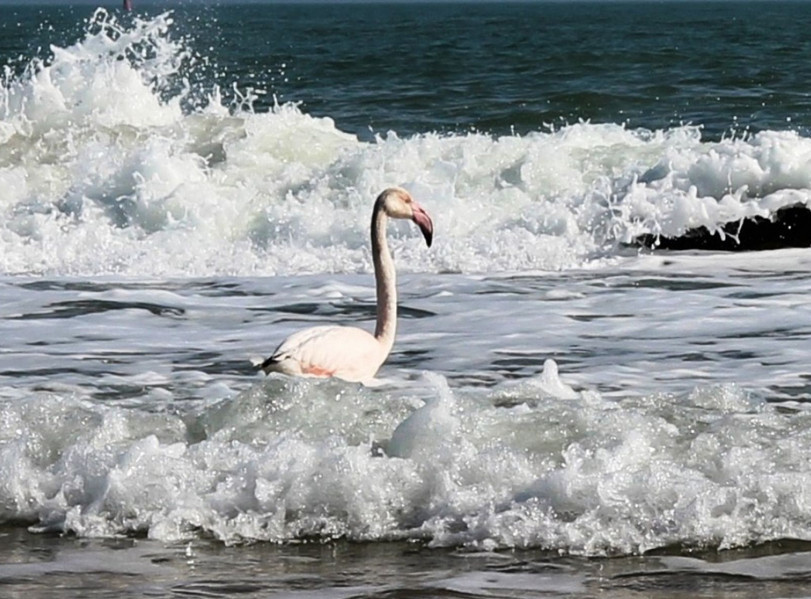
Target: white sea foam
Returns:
[107, 166]
[294, 459]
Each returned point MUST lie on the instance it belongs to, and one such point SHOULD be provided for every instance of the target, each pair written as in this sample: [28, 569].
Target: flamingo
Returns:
[350, 353]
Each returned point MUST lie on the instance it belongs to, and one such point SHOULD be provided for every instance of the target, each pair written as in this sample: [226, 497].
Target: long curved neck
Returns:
[385, 279]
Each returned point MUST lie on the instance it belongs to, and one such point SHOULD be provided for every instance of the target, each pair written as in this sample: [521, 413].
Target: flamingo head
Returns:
[398, 203]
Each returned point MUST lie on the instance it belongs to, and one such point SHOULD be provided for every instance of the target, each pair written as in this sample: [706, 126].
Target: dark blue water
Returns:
[730, 67]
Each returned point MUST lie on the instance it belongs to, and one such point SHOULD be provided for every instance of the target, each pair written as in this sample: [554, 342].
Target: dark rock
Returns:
[788, 227]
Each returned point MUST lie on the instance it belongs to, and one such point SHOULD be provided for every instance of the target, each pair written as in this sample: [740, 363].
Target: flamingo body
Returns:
[350, 353]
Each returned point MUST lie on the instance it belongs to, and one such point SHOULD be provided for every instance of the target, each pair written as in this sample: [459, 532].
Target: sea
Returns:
[567, 411]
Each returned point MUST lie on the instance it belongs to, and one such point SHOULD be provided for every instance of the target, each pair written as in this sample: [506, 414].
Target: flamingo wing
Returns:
[347, 353]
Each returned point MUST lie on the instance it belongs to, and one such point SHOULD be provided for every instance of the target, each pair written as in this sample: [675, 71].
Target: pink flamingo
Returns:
[350, 353]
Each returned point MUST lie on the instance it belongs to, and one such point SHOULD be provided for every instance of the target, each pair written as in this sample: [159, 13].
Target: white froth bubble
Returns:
[428, 429]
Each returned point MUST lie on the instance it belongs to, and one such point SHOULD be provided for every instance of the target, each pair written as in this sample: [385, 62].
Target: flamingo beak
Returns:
[424, 222]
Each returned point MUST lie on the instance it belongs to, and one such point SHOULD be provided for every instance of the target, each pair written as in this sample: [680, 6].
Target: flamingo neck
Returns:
[385, 280]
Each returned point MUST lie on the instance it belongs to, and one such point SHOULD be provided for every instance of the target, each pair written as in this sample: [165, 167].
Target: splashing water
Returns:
[110, 165]
[608, 477]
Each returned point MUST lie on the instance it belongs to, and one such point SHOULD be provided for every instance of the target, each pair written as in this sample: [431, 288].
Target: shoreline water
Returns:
[43, 565]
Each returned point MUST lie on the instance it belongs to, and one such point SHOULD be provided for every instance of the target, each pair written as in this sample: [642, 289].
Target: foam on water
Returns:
[110, 163]
[535, 465]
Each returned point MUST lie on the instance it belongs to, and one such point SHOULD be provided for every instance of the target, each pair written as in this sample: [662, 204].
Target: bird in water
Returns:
[350, 353]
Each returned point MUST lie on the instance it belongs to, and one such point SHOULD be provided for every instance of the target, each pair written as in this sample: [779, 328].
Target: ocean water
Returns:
[564, 413]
